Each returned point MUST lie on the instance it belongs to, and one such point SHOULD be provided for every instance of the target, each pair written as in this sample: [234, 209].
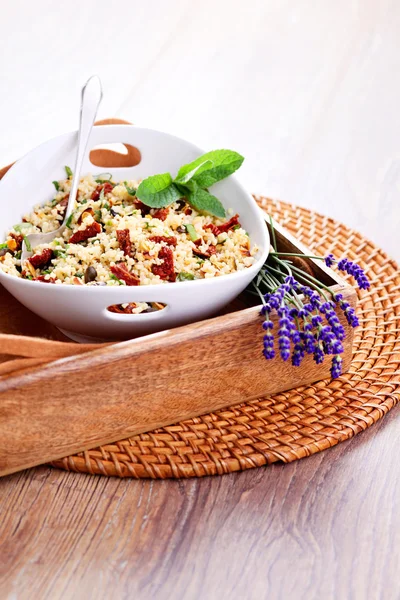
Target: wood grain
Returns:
[315, 528]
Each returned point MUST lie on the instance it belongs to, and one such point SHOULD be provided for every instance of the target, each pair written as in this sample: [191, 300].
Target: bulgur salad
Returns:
[113, 238]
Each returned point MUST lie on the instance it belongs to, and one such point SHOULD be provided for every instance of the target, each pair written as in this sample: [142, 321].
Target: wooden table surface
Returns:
[309, 92]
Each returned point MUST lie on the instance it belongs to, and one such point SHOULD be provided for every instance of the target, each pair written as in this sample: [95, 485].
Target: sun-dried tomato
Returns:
[107, 187]
[18, 239]
[142, 207]
[206, 254]
[84, 234]
[161, 213]
[42, 278]
[118, 308]
[166, 269]
[120, 270]
[213, 228]
[171, 241]
[39, 261]
[229, 224]
[124, 241]
[217, 229]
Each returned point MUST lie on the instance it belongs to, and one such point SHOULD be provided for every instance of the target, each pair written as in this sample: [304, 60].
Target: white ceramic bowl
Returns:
[81, 311]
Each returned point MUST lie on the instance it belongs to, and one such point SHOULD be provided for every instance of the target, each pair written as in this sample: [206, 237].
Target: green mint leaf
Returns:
[56, 185]
[186, 172]
[158, 191]
[224, 163]
[68, 172]
[205, 202]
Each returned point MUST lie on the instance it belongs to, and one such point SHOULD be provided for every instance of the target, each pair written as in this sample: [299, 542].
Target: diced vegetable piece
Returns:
[192, 232]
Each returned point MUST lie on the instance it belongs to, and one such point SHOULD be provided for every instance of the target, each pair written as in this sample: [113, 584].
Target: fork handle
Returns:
[92, 94]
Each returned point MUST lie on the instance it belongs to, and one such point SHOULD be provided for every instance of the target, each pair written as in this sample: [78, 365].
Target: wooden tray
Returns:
[55, 401]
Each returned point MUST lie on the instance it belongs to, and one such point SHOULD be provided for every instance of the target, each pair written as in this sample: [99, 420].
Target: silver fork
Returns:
[92, 94]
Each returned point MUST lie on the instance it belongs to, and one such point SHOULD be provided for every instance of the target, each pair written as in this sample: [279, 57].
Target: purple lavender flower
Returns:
[298, 354]
[329, 260]
[336, 368]
[349, 312]
[268, 351]
[284, 339]
[316, 320]
[334, 323]
[353, 269]
[319, 354]
[308, 339]
[330, 343]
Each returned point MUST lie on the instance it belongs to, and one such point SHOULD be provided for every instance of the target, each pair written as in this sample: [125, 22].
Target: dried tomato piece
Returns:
[229, 224]
[124, 241]
[217, 229]
[207, 254]
[213, 228]
[161, 213]
[142, 207]
[120, 270]
[41, 260]
[118, 308]
[63, 203]
[84, 234]
[107, 187]
[41, 278]
[18, 239]
[171, 241]
[166, 269]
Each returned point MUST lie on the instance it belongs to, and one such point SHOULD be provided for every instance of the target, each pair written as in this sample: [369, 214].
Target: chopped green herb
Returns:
[109, 223]
[183, 276]
[56, 185]
[28, 276]
[69, 221]
[247, 234]
[101, 177]
[27, 244]
[131, 191]
[60, 254]
[79, 274]
[68, 172]
[3, 245]
[236, 227]
[106, 206]
[112, 276]
[101, 197]
[192, 232]
[18, 254]
[46, 272]
[98, 214]
[84, 201]
[20, 226]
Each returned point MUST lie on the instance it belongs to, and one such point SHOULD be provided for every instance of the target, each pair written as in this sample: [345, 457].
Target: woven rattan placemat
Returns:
[293, 424]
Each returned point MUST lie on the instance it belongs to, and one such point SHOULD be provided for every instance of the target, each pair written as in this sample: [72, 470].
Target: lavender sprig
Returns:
[308, 323]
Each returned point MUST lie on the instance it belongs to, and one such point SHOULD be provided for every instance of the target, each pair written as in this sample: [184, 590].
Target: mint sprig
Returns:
[192, 182]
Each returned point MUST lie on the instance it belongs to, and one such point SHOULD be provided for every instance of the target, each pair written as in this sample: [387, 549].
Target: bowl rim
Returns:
[243, 273]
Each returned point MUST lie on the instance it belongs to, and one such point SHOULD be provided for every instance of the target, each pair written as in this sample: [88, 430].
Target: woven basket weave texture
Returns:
[290, 425]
